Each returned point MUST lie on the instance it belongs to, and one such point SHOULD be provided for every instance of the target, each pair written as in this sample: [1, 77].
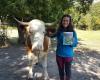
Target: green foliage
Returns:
[86, 22]
[95, 12]
[79, 9]
[92, 19]
[47, 10]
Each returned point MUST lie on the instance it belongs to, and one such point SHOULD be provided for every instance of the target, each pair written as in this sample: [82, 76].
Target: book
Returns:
[67, 38]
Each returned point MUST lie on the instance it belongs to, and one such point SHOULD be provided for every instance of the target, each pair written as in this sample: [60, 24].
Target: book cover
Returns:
[67, 38]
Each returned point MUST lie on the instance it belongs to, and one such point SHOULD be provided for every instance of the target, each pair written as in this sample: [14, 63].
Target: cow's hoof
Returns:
[42, 78]
[47, 78]
[39, 65]
[29, 78]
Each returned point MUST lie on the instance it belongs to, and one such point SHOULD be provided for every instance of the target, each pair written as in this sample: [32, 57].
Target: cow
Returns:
[37, 45]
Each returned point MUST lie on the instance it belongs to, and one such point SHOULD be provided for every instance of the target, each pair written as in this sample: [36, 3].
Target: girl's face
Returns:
[65, 21]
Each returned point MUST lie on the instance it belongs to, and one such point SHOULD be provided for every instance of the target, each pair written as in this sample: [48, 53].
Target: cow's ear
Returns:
[50, 31]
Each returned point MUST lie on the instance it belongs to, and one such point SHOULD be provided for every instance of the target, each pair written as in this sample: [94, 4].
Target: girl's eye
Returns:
[65, 20]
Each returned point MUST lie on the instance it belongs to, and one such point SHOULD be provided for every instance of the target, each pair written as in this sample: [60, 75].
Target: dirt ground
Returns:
[13, 64]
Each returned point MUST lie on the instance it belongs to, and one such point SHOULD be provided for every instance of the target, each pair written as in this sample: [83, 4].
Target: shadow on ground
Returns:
[13, 64]
[86, 65]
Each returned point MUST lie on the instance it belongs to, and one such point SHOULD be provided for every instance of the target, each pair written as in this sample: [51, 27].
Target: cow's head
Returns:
[35, 30]
[50, 27]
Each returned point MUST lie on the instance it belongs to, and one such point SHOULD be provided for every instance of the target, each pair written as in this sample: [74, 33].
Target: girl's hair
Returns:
[70, 27]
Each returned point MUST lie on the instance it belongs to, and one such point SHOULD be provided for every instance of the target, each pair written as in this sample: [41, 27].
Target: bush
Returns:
[96, 27]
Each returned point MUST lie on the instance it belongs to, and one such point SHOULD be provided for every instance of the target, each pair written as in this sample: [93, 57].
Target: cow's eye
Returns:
[44, 33]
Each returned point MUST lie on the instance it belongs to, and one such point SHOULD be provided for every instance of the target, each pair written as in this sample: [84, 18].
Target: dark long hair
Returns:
[70, 27]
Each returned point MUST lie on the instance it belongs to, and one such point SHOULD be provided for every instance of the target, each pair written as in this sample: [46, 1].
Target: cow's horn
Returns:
[50, 24]
[22, 23]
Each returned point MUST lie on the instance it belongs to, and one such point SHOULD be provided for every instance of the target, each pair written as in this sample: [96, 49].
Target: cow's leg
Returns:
[44, 64]
[32, 60]
[30, 64]
[44, 57]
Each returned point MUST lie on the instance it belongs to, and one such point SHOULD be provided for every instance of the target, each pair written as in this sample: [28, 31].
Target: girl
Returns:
[64, 53]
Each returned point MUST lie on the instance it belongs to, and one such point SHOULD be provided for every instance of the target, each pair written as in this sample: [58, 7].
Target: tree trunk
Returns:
[21, 32]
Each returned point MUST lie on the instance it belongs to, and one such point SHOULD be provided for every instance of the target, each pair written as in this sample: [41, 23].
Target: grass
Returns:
[91, 39]
[8, 27]
[88, 35]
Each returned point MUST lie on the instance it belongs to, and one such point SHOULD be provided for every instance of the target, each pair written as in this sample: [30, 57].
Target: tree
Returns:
[92, 18]
[46, 10]
[95, 13]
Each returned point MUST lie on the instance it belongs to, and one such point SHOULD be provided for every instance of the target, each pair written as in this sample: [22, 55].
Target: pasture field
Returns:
[89, 39]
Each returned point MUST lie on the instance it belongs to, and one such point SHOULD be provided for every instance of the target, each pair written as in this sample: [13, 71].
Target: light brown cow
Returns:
[37, 46]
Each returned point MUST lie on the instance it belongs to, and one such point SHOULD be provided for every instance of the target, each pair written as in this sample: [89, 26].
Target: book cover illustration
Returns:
[67, 38]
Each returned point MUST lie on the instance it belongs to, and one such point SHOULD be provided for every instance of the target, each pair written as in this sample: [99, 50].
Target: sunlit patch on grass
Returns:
[90, 39]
